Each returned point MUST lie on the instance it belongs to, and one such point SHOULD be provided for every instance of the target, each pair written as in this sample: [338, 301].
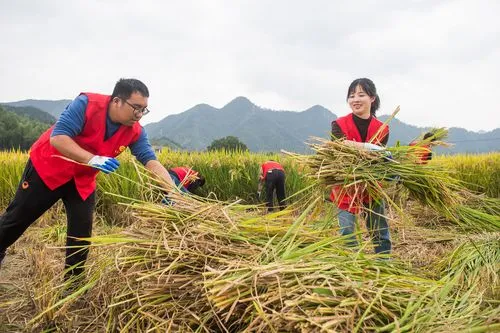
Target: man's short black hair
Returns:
[126, 87]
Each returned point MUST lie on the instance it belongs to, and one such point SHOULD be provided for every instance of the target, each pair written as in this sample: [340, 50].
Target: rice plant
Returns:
[478, 172]
[361, 172]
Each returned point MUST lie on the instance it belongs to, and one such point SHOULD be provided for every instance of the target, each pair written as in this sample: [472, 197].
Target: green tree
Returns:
[18, 132]
[228, 143]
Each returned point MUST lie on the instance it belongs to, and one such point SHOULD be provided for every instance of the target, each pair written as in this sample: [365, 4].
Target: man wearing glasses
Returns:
[65, 160]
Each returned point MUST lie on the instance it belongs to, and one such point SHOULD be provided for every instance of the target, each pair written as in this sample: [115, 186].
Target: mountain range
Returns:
[260, 129]
[264, 130]
[54, 108]
[32, 113]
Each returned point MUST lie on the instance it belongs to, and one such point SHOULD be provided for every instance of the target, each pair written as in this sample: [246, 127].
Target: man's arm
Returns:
[159, 170]
[261, 181]
[144, 153]
[69, 148]
[69, 125]
[261, 184]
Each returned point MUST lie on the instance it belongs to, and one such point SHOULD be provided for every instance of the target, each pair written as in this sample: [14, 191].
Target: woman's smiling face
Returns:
[360, 102]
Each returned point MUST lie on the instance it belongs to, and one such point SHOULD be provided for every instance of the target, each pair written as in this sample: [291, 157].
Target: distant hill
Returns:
[462, 140]
[260, 129]
[31, 113]
[55, 108]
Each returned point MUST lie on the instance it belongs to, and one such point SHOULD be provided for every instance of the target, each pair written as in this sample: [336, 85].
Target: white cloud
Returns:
[438, 59]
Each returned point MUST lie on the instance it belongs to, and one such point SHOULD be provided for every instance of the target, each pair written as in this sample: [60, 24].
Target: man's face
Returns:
[132, 109]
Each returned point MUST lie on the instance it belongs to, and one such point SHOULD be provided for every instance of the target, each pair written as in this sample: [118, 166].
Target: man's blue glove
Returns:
[103, 163]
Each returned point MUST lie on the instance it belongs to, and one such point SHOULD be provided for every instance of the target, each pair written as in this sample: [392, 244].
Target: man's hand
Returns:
[103, 163]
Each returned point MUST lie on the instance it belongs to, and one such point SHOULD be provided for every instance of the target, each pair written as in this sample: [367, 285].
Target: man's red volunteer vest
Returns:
[422, 152]
[268, 166]
[55, 171]
[349, 201]
[182, 173]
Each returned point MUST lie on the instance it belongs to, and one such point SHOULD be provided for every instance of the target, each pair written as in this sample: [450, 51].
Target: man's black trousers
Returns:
[32, 199]
[275, 181]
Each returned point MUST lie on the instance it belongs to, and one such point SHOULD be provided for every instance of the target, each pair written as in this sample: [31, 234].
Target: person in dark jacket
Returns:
[187, 179]
[272, 175]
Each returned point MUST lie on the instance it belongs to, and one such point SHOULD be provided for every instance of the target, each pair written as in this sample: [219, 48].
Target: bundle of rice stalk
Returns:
[160, 260]
[206, 266]
[476, 262]
[439, 134]
[336, 293]
[360, 172]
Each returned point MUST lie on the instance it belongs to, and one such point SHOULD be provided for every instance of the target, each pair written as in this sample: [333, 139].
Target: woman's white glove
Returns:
[371, 146]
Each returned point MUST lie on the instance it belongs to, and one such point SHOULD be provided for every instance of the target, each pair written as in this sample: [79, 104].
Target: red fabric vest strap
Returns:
[269, 166]
[350, 201]
[56, 171]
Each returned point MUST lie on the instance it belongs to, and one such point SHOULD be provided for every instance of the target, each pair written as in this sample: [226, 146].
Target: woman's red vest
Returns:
[353, 203]
[268, 166]
[55, 171]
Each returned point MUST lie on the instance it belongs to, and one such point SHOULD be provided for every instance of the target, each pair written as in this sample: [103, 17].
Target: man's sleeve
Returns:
[142, 149]
[72, 119]
[336, 131]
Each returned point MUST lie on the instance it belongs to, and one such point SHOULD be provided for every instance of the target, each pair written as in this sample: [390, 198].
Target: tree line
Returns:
[19, 131]
[20, 127]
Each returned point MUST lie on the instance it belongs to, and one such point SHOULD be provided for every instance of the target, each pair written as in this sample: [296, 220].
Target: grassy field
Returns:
[481, 173]
[209, 266]
[230, 176]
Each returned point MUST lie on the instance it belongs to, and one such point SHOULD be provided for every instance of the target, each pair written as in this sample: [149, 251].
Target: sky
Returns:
[438, 59]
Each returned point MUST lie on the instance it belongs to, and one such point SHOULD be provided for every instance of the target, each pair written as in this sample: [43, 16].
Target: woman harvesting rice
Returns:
[361, 129]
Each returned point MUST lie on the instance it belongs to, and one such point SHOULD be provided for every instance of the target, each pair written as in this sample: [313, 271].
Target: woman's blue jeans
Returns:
[376, 224]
